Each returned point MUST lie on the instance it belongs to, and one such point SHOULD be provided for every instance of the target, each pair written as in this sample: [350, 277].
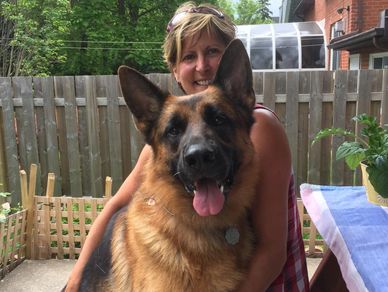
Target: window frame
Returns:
[375, 56]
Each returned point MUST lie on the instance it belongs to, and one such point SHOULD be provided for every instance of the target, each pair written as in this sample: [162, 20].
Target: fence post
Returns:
[108, 187]
[50, 185]
[31, 209]
[44, 248]
[27, 204]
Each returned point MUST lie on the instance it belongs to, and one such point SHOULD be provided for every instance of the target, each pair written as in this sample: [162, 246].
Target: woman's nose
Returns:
[202, 64]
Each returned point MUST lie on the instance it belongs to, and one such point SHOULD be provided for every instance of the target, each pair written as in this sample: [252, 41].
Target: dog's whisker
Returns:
[168, 211]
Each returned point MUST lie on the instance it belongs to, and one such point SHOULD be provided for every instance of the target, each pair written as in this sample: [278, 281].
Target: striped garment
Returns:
[294, 277]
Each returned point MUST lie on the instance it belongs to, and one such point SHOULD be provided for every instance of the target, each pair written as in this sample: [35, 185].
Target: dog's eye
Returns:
[173, 131]
[175, 127]
[215, 117]
[219, 120]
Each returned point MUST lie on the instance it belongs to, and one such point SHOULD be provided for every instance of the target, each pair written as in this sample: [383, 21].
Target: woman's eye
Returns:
[213, 51]
[188, 57]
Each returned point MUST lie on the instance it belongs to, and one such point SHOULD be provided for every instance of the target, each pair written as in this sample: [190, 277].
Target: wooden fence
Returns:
[80, 129]
[49, 227]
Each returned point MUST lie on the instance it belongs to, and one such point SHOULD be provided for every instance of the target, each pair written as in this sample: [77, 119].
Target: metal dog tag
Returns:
[232, 235]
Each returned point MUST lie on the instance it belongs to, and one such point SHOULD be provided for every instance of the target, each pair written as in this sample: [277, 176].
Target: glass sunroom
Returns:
[284, 46]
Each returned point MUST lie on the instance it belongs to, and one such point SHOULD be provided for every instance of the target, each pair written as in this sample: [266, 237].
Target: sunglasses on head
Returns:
[204, 10]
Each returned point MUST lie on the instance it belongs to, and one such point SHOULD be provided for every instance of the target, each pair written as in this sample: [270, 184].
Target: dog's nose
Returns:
[199, 157]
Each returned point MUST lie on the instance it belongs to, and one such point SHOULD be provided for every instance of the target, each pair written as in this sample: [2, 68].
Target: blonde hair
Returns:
[194, 23]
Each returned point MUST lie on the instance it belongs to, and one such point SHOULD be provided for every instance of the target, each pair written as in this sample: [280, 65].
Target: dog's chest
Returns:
[165, 253]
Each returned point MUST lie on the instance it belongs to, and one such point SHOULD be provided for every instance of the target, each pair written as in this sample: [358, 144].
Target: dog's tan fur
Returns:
[161, 244]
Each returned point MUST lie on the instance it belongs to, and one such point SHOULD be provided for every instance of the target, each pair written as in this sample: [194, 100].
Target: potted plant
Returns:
[370, 150]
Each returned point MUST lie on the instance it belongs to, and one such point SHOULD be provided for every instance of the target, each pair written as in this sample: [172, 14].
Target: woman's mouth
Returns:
[203, 82]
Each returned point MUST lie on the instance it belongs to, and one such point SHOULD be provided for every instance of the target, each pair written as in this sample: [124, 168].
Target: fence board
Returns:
[363, 99]
[52, 150]
[73, 157]
[339, 108]
[315, 124]
[258, 82]
[351, 111]
[327, 121]
[28, 144]
[62, 144]
[83, 138]
[93, 135]
[113, 130]
[41, 133]
[303, 143]
[269, 90]
[364, 90]
[11, 151]
[292, 115]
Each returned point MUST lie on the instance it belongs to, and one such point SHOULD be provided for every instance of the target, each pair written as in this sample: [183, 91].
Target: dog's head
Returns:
[200, 138]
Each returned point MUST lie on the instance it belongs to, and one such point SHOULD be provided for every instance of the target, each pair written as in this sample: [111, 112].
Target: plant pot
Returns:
[371, 194]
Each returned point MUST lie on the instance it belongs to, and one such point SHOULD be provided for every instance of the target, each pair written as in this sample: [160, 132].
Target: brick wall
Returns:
[362, 15]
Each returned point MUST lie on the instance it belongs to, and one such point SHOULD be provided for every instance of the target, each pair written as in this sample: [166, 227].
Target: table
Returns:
[356, 232]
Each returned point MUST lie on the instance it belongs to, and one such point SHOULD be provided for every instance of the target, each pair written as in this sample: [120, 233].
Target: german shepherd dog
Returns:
[187, 228]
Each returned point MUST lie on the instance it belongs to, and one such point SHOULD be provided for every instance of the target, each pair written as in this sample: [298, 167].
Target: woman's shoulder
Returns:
[268, 135]
[265, 117]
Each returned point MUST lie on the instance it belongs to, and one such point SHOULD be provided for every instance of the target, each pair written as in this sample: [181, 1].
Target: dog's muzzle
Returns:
[205, 172]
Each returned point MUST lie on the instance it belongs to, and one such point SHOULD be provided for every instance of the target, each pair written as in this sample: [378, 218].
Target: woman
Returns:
[196, 39]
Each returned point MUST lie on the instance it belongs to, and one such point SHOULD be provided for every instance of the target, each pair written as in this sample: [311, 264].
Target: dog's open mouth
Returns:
[209, 198]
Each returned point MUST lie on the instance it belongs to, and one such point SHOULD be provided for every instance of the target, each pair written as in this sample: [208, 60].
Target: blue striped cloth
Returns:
[355, 230]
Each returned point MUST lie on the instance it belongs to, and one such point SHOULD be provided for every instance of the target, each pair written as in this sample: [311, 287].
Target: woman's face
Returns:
[198, 65]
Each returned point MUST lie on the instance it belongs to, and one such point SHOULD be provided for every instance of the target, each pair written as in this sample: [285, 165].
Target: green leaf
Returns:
[353, 161]
[3, 218]
[378, 177]
[330, 132]
[4, 194]
[352, 152]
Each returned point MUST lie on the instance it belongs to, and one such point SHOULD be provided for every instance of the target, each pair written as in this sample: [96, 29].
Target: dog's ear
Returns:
[144, 99]
[234, 74]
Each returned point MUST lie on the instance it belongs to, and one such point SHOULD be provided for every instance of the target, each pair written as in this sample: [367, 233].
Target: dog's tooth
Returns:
[190, 188]
[222, 188]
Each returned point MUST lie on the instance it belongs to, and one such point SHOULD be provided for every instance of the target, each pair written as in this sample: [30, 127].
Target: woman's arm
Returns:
[119, 200]
[270, 209]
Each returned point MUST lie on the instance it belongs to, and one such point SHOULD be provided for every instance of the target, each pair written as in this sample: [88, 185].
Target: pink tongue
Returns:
[208, 199]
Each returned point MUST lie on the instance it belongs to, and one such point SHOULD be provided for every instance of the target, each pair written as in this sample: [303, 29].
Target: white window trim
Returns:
[376, 55]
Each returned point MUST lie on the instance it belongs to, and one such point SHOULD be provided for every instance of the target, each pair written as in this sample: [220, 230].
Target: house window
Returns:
[261, 53]
[313, 52]
[354, 62]
[378, 61]
[286, 52]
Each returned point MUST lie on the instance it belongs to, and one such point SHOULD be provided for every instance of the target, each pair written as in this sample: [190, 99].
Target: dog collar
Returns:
[232, 235]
